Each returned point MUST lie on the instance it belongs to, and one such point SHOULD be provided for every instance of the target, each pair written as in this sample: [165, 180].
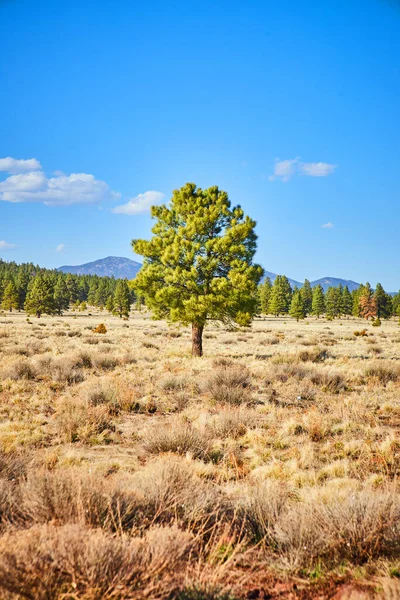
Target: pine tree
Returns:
[281, 295]
[122, 302]
[110, 304]
[297, 310]
[199, 264]
[333, 302]
[318, 301]
[346, 301]
[73, 288]
[61, 295]
[265, 294]
[384, 303]
[307, 297]
[367, 303]
[40, 298]
[10, 297]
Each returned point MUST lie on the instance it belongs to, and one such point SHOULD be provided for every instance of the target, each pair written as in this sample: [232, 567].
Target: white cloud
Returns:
[60, 248]
[327, 225]
[14, 166]
[6, 246]
[320, 169]
[140, 204]
[286, 169]
[61, 190]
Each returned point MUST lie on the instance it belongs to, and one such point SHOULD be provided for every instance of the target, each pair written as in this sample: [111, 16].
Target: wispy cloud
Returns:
[14, 166]
[320, 169]
[140, 204]
[60, 248]
[327, 225]
[6, 245]
[286, 169]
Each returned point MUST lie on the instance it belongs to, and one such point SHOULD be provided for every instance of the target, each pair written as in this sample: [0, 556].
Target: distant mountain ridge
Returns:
[111, 266]
[121, 267]
[325, 282]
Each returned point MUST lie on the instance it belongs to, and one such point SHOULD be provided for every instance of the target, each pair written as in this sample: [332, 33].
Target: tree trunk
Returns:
[197, 340]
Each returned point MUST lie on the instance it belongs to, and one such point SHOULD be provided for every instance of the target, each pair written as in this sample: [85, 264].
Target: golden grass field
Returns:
[268, 468]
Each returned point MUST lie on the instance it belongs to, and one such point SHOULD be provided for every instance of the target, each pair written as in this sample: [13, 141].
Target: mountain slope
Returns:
[112, 266]
[326, 282]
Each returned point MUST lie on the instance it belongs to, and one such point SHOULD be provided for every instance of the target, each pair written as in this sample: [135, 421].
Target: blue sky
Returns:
[293, 108]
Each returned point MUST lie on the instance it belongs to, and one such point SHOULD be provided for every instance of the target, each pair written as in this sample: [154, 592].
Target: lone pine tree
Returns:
[121, 301]
[198, 266]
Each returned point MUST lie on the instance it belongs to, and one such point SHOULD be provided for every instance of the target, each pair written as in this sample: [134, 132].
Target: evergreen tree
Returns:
[384, 303]
[101, 294]
[265, 294]
[346, 302]
[307, 297]
[61, 295]
[281, 295]
[199, 264]
[10, 297]
[297, 310]
[40, 298]
[318, 301]
[367, 303]
[333, 302]
[73, 288]
[122, 302]
[110, 304]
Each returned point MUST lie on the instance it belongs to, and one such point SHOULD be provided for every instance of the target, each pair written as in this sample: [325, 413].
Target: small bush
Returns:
[101, 328]
[179, 437]
[230, 385]
[22, 369]
[383, 372]
[316, 355]
[361, 333]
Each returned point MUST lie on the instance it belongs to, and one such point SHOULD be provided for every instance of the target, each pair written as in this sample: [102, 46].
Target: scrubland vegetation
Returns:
[266, 469]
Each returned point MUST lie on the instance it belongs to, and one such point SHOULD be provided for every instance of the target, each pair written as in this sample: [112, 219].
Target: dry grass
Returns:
[130, 470]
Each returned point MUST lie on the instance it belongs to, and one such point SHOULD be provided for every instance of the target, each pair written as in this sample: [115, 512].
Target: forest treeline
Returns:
[44, 291]
[278, 298]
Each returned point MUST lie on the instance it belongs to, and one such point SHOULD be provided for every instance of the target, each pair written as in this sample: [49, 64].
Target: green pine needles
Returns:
[198, 266]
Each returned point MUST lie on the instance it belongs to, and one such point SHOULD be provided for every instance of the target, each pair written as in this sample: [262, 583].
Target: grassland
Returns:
[266, 469]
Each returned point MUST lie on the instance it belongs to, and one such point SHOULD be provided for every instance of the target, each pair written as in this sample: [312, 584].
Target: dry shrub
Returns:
[358, 527]
[62, 370]
[171, 491]
[172, 383]
[330, 381]
[261, 508]
[230, 385]
[178, 437]
[383, 373]
[53, 562]
[91, 340]
[83, 360]
[75, 420]
[233, 422]
[106, 363]
[22, 369]
[316, 355]
[361, 333]
[284, 372]
[101, 328]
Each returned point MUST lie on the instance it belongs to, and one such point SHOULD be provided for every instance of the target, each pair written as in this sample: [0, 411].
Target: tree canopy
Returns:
[198, 266]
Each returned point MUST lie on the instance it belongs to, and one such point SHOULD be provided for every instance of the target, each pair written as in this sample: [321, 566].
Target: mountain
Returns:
[112, 266]
[292, 282]
[125, 268]
[326, 282]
